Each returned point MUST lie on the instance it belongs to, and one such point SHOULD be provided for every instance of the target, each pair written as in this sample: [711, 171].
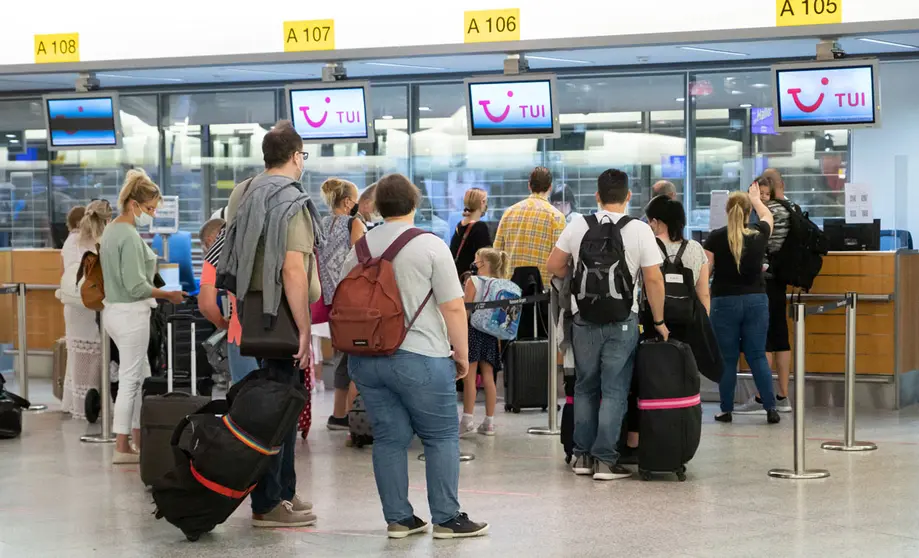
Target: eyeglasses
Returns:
[305, 154]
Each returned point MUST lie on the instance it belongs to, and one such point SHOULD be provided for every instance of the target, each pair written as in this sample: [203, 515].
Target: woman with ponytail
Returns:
[471, 233]
[740, 307]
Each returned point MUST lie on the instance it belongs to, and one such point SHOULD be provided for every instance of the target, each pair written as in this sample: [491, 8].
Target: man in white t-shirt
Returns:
[604, 351]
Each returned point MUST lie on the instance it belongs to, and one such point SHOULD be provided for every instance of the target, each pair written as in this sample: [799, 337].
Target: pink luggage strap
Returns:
[677, 403]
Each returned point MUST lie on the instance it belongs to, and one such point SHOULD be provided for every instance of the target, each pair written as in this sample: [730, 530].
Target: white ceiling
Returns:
[585, 59]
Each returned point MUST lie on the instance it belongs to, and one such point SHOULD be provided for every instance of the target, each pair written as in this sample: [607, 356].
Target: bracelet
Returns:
[660, 323]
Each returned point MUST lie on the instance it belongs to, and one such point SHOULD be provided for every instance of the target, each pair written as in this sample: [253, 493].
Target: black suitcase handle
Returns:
[180, 318]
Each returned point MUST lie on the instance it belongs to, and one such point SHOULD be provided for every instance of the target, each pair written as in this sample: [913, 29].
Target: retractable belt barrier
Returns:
[22, 349]
[507, 303]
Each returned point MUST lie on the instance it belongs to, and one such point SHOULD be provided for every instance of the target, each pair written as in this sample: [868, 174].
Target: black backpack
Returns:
[800, 259]
[603, 285]
[679, 288]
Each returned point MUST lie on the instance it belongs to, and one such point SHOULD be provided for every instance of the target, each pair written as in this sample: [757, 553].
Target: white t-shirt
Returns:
[641, 249]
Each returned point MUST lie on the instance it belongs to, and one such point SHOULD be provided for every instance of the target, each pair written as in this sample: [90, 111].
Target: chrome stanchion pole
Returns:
[849, 443]
[105, 391]
[800, 471]
[24, 347]
[552, 428]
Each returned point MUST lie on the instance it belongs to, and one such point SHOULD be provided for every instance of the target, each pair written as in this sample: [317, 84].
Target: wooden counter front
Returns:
[44, 312]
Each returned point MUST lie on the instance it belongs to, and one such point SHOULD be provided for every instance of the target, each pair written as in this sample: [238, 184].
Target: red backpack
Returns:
[367, 316]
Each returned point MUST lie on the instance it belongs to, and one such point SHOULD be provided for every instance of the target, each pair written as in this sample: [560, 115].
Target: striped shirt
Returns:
[528, 231]
[213, 254]
[782, 219]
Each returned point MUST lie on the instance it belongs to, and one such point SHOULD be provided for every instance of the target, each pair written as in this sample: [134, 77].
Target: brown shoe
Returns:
[283, 515]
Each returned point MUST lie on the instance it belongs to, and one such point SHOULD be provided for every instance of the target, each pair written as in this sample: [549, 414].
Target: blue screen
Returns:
[82, 122]
[826, 96]
[511, 107]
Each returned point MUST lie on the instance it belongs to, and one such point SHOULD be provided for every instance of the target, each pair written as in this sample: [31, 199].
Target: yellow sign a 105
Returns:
[807, 12]
[307, 35]
[57, 47]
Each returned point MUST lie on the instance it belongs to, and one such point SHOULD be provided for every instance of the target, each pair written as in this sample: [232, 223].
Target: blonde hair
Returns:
[74, 216]
[211, 227]
[738, 209]
[98, 214]
[475, 199]
[336, 190]
[497, 260]
[138, 188]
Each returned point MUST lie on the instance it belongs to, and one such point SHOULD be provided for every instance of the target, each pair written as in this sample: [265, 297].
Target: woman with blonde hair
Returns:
[471, 233]
[84, 348]
[484, 353]
[740, 307]
[128, 268]
[341, 231]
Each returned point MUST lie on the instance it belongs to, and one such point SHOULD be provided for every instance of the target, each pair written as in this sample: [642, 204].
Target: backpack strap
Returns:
[679, 254]
[399, 243]
[623, 221]
[592, 221]
[662, 247]
[362, 250]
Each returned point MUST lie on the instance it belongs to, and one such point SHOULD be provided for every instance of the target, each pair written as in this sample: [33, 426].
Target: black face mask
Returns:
[474, 268]
[354, 210]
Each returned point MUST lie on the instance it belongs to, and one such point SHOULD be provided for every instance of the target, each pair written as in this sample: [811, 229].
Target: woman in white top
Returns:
[84, 348]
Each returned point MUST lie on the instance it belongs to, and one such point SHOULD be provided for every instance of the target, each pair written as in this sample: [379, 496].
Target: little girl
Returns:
[484, 355]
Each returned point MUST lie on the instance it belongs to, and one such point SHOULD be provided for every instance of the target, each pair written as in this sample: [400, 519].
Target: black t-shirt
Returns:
[726, 280]
[479, 237]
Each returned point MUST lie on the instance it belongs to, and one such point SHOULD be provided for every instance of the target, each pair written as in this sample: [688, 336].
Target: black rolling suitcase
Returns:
[160, 414]
[670, 406]
[526, 374]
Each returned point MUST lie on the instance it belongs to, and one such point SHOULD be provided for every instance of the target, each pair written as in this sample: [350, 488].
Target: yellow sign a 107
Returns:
[307, 35]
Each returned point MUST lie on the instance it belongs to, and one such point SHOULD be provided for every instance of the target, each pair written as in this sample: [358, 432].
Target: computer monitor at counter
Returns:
[852, 237]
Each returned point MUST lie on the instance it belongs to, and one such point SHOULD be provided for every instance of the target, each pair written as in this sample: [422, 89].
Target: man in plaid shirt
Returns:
[529, 229]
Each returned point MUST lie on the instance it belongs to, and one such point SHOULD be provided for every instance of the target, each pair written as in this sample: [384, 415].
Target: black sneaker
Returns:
[336, 423]
[772, 416]
[628, 456]
[724, 417]
[459, 527]
[583, 465]
[605, 471]
[404, 528]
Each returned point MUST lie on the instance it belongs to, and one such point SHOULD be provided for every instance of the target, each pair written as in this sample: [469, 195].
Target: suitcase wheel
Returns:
[681, 474]
[507, 408]
[192, 538]
[544, 409]
[645, 475]
[515, 409]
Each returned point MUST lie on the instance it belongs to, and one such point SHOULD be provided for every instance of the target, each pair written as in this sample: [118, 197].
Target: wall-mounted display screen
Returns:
[516, 107]
[83, 121]
[823, 95]
[332, 112]
[762, 121]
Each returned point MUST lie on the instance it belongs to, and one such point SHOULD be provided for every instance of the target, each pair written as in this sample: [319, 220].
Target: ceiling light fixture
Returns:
[553, 59]
[680, 99]
[14, 141]
[424, 109]
[11, 135]
[411, 66]
[126, 76]
[889, 43]
[713, 51]
[736, 92]
[760, 85]
[267, 72]
[746, 105]
[386, 117]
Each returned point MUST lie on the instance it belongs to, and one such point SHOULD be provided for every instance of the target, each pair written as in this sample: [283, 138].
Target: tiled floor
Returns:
[61, 498]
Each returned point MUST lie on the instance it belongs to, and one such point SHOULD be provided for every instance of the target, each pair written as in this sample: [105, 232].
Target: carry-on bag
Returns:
[526, 375]
[230, 445]
[59, 367]
[670, 407]
[11, 406]
[566, 428]
[160, 414]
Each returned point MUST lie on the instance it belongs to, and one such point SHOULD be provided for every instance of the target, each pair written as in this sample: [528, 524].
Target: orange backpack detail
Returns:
[367, 317]
[92, 291]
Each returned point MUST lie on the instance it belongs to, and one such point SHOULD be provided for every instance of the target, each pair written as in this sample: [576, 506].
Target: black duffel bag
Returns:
[11, 406]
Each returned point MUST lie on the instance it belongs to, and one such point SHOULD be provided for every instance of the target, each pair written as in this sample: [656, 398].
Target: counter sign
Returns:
[58, 47]
[489, 26]
[807, 12]
[314, 34]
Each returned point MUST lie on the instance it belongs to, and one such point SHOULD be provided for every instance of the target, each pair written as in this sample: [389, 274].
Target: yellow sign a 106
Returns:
[57, 47]
[807, 12]
[488, 26]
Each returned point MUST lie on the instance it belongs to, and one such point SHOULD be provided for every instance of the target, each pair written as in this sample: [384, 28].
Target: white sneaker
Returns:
[486, 429]
[466, 428]
[783, 405]
[751, 407]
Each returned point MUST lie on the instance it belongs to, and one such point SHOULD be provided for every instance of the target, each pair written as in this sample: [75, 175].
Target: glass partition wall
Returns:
[702, 131]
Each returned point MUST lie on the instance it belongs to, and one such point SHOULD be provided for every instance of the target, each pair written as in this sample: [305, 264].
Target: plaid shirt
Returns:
[528, 231]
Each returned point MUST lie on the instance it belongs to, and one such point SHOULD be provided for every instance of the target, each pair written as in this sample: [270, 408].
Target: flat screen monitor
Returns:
[820, 95]
[762, 121]
[852, 237]
[512, 107]
[331, 112]
[83, 121]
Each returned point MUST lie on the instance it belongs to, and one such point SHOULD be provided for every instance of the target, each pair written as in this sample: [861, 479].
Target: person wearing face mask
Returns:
[341, 233]
[128, 267]
[564, 200]
[366, 209]
[471, 233]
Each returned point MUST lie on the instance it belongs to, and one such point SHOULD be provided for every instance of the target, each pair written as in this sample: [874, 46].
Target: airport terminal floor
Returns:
[59, 497]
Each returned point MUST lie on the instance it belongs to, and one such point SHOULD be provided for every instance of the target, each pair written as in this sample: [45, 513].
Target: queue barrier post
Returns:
[849, 443]
[22, 340]
[800, 472]
[105, 393]
[552, 428]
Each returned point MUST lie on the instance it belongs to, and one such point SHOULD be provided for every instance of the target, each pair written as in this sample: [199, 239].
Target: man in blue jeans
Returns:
[607, 250]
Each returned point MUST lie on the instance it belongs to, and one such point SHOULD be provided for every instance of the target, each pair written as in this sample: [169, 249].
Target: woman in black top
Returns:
[471, 233]
[740, 308]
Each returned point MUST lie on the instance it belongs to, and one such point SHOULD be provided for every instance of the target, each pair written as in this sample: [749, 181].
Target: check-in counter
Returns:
[44, 312]
[887, 330]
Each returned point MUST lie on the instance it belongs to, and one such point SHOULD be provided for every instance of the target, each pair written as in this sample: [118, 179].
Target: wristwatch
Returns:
[660, 323]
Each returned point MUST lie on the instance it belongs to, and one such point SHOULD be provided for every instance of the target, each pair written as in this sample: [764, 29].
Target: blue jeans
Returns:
[604, 357]
[406, 394]
[741, 323]
[279, 482]
[240, 366]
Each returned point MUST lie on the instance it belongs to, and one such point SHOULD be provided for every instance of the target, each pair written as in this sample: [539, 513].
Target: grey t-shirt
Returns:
[424, 264]
[693, 258]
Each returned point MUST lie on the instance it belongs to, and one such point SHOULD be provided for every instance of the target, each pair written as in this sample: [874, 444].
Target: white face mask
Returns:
[144, 220]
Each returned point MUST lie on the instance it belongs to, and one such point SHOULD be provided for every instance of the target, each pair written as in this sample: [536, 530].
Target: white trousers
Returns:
[128, 325]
